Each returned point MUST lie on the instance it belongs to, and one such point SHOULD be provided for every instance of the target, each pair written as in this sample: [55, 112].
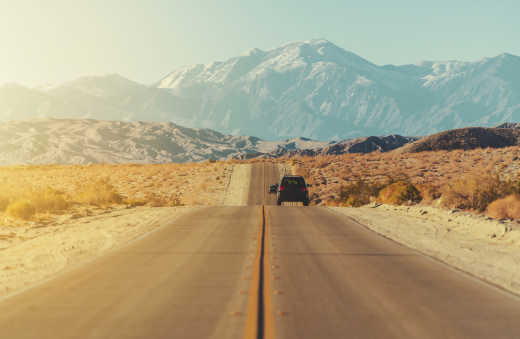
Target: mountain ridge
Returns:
[310, 89]
[84, 141]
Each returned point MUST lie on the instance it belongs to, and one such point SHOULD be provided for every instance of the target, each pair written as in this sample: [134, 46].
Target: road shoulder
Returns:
[487, 249]
[237, 191]
[47, 251]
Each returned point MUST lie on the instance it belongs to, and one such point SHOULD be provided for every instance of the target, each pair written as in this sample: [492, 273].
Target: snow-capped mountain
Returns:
[309, 89]
[109, 97]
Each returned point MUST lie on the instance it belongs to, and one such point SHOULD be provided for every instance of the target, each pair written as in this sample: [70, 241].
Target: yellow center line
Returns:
[260, 321]
[269, 329]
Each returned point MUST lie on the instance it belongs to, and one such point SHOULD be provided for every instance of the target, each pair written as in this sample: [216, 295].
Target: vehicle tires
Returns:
[305, 203]
[279, 203]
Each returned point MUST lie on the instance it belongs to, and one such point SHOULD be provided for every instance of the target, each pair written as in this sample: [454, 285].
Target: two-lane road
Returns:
[326, 277]
[183, 281]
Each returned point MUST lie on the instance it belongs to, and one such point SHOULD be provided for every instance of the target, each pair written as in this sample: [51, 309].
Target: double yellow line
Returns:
[260, 313]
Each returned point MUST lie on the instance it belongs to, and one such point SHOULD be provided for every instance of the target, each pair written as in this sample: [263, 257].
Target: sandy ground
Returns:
[488, 249]
[161, 185]
[31, 252]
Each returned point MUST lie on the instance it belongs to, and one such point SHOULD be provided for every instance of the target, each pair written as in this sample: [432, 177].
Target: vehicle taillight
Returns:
[304, 189]
[281, 188]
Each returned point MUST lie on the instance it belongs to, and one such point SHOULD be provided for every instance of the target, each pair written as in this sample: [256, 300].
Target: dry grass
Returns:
[22, 209]
[357, 194]
[475, 192]
[399, 193]
[447, 173]
[99, 193]
[429, 193]
[57, 189]
[50, 200]
[505, 208]
[4, 202]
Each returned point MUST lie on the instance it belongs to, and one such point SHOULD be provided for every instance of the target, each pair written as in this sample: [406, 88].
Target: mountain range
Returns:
[311, 89]
[84, 141]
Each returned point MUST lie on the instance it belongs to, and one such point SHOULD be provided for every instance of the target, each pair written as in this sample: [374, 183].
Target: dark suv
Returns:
[293, 188]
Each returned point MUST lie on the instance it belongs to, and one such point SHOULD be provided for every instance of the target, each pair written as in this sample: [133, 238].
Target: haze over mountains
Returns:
[84, 141]
[67, 141]
[309, 89]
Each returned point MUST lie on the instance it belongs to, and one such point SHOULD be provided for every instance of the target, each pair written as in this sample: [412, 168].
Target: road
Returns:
[247, 272]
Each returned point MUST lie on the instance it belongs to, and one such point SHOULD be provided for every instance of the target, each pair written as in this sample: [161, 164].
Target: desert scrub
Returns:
[21, 209]
[476, 192]
[399, 193]
[49, 200]
[428, 192]
[155, 200]
[99, 193]
[26, 203]
[4, 202]
[505, 208]
[135, 202]
[358, 193]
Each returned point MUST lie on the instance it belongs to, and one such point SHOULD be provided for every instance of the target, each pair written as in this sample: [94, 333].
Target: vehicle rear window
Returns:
[293, 182]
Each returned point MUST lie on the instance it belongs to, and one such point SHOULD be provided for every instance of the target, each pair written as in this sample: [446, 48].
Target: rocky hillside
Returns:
[90, 141]
[311, 89]
[466, 138]
[67, 141]
[368, 145]
[357, 145]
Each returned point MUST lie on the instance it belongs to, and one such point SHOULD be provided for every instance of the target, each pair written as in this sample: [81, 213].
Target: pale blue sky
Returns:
[53, 41]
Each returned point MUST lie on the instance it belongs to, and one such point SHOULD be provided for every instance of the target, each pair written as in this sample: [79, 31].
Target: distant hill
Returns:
[357, 145]
[466, 138]
[83, 141]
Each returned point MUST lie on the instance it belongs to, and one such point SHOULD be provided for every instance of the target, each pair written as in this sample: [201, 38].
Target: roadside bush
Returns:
[100, 193]
[399, 193]
[135, 202]
[505, 208]
[476, 192]
[428, 192]
[358, 193]
[156, 200]
[49, 200]
[4, 202]
[22, 209]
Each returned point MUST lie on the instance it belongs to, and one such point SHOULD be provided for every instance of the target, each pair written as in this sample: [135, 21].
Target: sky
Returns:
[53, 41]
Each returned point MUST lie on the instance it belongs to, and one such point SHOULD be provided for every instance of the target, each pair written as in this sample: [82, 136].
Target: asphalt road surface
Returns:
[295, 272]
